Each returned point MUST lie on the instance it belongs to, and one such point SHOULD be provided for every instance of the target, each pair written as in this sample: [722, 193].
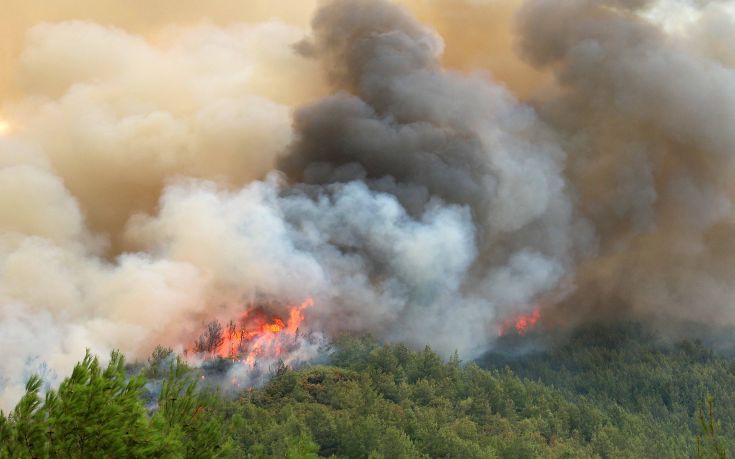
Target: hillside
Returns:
[605, 392]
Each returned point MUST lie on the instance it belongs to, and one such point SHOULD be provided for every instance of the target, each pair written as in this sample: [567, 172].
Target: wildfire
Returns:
[255, 335]
[521, 323]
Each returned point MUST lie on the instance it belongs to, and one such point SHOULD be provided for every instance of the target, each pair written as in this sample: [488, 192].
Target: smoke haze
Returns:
[421, 179]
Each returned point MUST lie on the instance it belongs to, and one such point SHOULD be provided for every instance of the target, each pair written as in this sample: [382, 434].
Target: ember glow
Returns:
[521, 323]
[254, 336]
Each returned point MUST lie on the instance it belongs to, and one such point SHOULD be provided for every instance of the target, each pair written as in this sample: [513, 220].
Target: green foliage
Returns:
[709, 444]
[386, 401]
[159, 362]
[650, 389]
[96, 412]
[184, 416]
[604, 394]
[23, 433]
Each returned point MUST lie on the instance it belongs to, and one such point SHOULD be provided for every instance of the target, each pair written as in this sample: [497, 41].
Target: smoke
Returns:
[644, 115]
[453, 152]
[480, 36]
[139, 17]
[156, 176]
[108, 119]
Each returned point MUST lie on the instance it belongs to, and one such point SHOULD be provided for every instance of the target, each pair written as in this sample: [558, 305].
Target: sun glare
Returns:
[4, 127]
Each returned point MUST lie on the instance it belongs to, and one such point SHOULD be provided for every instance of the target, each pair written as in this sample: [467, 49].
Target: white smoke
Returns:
[107, 120]
[151, 184]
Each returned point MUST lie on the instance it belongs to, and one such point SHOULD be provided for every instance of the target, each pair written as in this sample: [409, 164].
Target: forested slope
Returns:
[613, 392]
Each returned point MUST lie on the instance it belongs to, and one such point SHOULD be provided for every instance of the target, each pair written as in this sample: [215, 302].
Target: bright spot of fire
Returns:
[254, 336]
[521, 323]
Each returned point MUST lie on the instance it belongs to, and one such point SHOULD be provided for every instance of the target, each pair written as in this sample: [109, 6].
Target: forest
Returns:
[605, 391]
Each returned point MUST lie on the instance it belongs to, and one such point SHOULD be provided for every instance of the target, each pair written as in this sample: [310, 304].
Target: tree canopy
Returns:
[580, 399]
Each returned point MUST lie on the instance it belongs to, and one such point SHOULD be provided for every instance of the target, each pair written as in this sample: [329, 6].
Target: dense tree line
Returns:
[581, 399]
[626, 366]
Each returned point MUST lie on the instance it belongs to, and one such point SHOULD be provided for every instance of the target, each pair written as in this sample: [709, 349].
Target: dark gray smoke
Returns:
[413, 202]
[430, 142]
[645, 116]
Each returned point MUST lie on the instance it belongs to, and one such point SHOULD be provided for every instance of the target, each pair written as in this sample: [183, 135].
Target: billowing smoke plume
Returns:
[467, 177]
[646, 119]
[107, 121]
[150, 184]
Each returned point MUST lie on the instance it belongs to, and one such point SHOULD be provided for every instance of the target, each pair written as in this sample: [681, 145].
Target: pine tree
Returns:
[98, 413]
[709, 444]
[183, 416]
[23, 434]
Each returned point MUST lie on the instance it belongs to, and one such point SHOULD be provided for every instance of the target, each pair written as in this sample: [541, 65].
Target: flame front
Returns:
[256, 335]
[521, 323]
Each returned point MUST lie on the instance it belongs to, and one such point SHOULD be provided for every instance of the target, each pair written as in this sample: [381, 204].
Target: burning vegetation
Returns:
[255, 335]
[521, 323]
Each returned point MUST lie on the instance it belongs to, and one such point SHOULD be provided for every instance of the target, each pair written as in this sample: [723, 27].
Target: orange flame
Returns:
[256, 335]
[521, 323]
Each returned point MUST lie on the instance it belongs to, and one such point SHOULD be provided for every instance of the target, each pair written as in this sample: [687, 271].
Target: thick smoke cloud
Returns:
[140, 17]
[429, 138]
[107, 121]
[480, 35]
[155, 180]
[103, 109]
[644, 115]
